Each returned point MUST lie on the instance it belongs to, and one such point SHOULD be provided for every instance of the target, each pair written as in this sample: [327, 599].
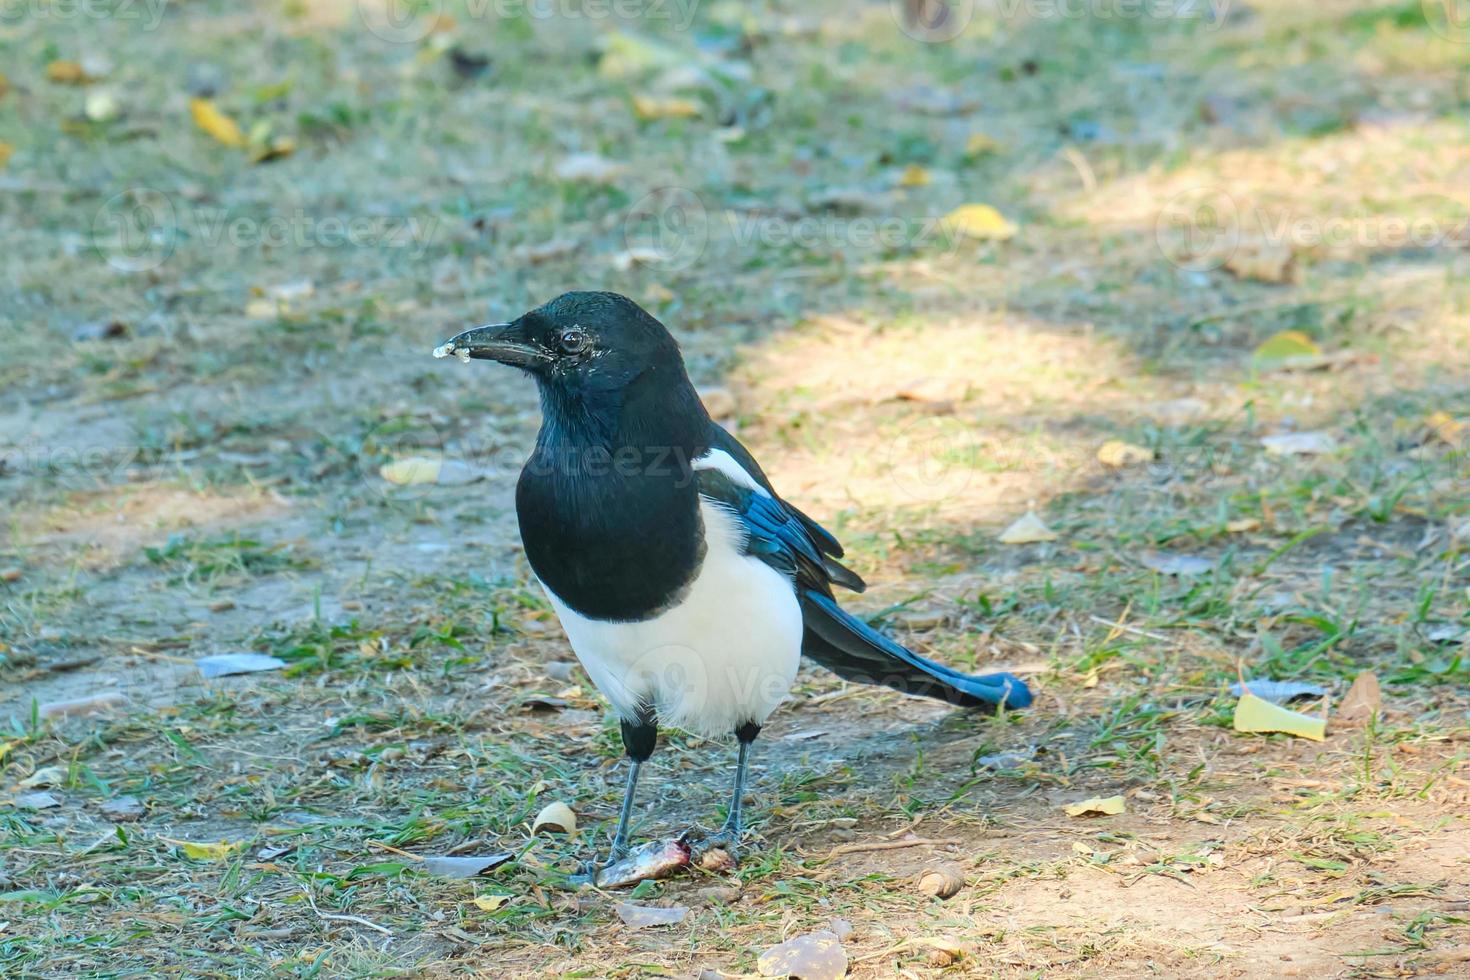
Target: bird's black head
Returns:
[597, 357]
[581, 341]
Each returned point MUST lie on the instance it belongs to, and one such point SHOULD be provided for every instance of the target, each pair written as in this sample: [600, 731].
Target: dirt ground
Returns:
[1215, 334]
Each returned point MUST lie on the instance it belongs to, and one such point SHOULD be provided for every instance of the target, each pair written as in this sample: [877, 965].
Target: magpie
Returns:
[688, 588]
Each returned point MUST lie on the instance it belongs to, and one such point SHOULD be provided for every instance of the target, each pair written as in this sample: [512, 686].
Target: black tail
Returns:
[855, 651]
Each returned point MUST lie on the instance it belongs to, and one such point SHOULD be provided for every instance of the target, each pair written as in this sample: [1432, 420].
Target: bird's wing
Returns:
[798, 531]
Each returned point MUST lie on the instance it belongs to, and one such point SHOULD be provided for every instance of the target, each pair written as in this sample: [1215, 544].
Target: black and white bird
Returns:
[688, 588]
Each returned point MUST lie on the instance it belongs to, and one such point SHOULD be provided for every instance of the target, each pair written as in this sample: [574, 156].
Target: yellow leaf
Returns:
[914, 176]
[1448, 429]
[5, 748]
[4, 84]
[280, 146]
[411, 471]
[489, 903]
[6, 150]
[208, 118]
[205, 851]
[1286, 345]
[1253, 714]
[1242, 524]
[978, 145]
[649, 107]
[67, 73]
[1108, 806]
[1117, 453]
[1027, 530]
[979, 221]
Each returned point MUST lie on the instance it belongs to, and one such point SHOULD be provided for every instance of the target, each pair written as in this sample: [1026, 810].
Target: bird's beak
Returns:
[503, 342]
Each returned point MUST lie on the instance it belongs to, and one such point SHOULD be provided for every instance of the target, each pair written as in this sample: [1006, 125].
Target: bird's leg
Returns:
[640, 736]
[727, 838]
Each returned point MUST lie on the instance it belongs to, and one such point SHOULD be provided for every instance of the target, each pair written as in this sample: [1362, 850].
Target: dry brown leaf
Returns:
[67, 73]
[555, 818]
[915, 176]
[1362, 701]
[6, 152]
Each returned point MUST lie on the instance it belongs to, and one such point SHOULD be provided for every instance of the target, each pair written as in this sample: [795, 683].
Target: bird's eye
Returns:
[574, 340]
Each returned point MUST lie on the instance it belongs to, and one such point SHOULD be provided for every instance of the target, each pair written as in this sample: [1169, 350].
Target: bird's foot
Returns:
[719, 851]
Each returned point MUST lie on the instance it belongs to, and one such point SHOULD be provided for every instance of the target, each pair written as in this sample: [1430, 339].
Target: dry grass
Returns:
[204, 479]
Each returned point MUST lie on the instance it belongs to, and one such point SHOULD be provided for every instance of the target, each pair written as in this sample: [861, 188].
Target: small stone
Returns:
[37, 801]
[123, 809]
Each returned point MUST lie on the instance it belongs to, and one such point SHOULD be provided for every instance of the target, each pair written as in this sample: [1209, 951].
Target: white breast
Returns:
[726, 655]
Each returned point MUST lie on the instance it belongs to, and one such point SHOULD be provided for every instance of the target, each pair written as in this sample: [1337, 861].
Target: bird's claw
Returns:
[702, 848]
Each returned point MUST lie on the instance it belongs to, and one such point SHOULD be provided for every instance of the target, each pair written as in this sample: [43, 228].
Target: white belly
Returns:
[726, 655]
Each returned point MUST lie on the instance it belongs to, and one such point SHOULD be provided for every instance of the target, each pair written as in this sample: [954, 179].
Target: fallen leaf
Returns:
[6, 152]
[593, 168]
[1253, 714]
[1288, 348]
[205, 850]
[1278, 692]
[979, 221]
[651, 107]
[40, 800]
[67, 73]
[814, 956]
[1448, 429]
[417, 470]
[1116, 453]
[489, 903]
[91, 705]
[935, 390]
[625, 55]
[448, 866]
[555, 818]
[1169, 563]
[915, 176]
[943, 950]
[648, 916]
[1242, 524]
[1109, 806]
[1362, 701]
[978, 145]
[49, 776]
[273, 149]
[640, 255]
[218, 125]
[226, 664]
[1014, 759]
[1027, 530]
[1263, 262]
[1299, 444]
